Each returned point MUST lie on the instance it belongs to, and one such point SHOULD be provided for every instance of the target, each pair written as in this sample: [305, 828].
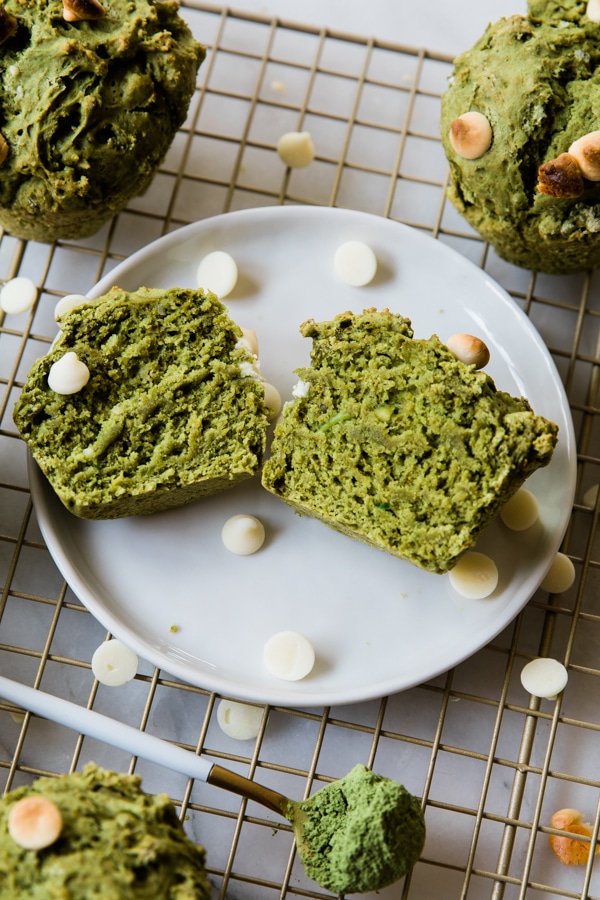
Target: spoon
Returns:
[140, 743]
[342, 847]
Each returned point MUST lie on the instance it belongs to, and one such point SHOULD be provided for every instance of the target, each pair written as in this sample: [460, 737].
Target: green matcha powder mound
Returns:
[360, 833]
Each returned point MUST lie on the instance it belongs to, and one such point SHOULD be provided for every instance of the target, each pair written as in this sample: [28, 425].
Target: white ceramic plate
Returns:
[378, 625]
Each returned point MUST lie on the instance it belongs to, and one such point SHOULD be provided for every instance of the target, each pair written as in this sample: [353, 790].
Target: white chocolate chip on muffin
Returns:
[561, 177]
[68, 375]
[249, 341]
[34, 822]
[272, 400]
[586, 152]
[67, 303]
[469, 349]
[593, 10]
[82, 10]
[471, 135]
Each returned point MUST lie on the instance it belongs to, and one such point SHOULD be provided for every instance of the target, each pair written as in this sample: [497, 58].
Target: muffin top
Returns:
[536, 80]
[90, 105]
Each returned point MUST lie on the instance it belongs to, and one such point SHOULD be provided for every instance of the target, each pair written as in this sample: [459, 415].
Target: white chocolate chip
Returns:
[475, 576]
[239, 720]
[355, 263]
[67, 303]
[470, 135]
[470, 350]
[34, 822]
[296, 149]
[68, 375]
[289, 656]
[249, 341]
[544, 677]
[18, 295]
[243, 534]
[218, 272]
[560, 576]
[593, 10]
[272, 400]
[114, 664]
[301, 389]
[586, 152]
[521, 511]
[251, 370]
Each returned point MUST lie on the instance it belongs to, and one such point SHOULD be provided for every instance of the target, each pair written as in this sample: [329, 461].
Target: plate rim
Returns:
[282, 695]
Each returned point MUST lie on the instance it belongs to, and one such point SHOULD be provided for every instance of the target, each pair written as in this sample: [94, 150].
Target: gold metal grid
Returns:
[490, 763]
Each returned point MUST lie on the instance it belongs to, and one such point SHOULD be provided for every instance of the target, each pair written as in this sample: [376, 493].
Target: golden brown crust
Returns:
[82, 10]
[561, 177]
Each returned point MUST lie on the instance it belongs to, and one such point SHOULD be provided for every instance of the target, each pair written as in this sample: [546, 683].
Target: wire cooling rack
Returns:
[490, 763]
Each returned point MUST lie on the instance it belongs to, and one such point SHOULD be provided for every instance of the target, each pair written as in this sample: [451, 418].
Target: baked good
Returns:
[113, 840]
[518, 125]
[172, 408]
[89, 108]
[396, 442]
[360, 833]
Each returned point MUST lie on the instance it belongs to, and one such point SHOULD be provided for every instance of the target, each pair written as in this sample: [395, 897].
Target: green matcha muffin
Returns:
[395, 442]
[519, 127]
[169, 408]
[112, 841]
[91, 95]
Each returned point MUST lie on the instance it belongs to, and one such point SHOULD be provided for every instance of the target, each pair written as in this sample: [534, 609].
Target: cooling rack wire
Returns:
[490, 763]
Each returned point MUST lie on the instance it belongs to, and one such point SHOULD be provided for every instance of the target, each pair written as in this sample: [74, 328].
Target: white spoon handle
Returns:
[105, 729]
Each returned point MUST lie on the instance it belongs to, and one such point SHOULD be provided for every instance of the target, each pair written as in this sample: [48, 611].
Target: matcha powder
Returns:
[360, 833]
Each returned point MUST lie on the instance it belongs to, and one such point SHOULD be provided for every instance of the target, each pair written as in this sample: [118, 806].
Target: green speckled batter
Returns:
[89, 109]
[360, 833]
[399, 444]
[167, 416]
[537, 80]
[117, 842]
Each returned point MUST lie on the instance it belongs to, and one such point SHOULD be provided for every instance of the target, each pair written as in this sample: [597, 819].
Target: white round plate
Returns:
[377, 624]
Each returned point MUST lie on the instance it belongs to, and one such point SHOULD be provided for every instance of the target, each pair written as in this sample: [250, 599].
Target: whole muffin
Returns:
[91, 96]
[107, 838]
[519, 127]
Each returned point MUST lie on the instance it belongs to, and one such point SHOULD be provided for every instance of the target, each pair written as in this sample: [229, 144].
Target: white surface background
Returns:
[439, 25]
